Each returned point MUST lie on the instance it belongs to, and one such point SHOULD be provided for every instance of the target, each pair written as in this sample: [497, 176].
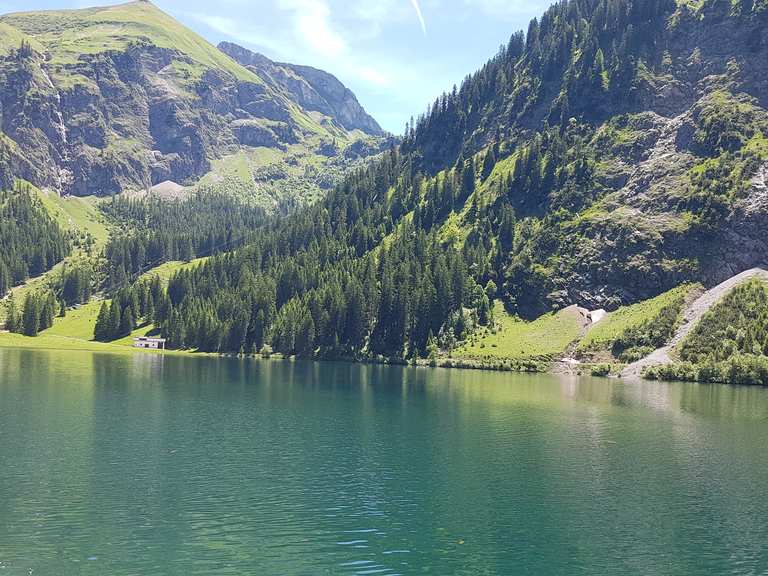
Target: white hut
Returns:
[150, 343]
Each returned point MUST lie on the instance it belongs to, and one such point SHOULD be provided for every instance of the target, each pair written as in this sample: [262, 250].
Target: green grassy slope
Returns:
[602, 335]
[67, 34]
[78, 323]
[11, 38]
[544, 338]
[168, 269]
[52, 342]
[268, 176]
[79, 214]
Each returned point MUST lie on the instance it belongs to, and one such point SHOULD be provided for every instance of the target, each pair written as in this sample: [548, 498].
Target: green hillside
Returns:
[613, 156]
[11, 38]
[78, 215]
[67, 34]
[512, 338]
[552, 177]
[633, 331]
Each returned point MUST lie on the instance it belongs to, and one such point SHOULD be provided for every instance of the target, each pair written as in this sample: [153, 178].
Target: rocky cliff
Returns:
[310, 88]
[99, 100]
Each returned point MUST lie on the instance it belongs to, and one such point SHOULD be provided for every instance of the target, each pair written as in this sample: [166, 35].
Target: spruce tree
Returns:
[115, 319]
[31, 316]
[101, 331]
[305, 335]
[12, 316]
[127, 323]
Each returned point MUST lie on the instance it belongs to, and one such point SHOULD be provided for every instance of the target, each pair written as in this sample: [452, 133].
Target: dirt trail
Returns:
[691, 315]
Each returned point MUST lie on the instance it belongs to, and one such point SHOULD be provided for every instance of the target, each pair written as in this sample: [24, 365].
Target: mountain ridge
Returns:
[314, 89]
[100, 100]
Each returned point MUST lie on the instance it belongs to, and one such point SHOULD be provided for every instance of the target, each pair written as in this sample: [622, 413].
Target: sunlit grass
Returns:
[546, 337]
[605, 332]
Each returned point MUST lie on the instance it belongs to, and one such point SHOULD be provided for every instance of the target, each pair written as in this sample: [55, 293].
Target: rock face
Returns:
[310, 88]
[87, 110]
[679, 201]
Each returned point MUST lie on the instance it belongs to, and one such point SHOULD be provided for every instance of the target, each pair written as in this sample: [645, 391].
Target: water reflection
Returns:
[143, 464]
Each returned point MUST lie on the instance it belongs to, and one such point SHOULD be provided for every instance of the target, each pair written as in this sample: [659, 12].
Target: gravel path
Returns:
[691, 315]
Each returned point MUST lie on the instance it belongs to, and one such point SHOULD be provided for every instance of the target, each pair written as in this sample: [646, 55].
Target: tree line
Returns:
[36, 314]
[322, 281]
[154, 231]
[32, 242]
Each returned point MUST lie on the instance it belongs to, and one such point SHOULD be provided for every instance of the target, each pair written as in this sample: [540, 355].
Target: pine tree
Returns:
[468, 177]
[489, 162]
[31, 316]
[101, 331]
[127, 322]
[259, 331]
[432, 348]
[12, 316]
[490, 290]
[305, 335]
[115, 320]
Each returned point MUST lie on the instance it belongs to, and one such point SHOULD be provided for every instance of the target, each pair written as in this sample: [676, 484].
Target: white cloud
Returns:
[375, 77]
[236, 31]
[315, 29]
[311, 30]
[312, 25]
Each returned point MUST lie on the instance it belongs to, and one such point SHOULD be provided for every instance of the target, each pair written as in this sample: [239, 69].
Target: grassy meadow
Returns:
[544, 338]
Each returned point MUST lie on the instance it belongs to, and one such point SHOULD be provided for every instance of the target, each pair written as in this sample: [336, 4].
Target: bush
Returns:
[748, 370]
[635, 353]
[745, 370]
[601, 369]
[679, 372]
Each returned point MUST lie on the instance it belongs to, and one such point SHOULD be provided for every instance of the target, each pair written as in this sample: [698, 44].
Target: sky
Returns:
[397, 56]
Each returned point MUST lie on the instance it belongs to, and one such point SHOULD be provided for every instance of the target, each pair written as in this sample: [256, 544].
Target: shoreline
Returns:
[521, 366]
[54, 343]
[612, 371]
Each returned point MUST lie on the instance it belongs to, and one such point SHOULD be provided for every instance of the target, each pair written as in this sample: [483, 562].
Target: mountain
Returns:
[614, 156]
[628, 138]
[100, 100]
[614, 151]
[312, 89]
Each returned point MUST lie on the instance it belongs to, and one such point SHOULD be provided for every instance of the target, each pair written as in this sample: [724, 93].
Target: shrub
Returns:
[746, 370]
[679, 372]
[601, 369]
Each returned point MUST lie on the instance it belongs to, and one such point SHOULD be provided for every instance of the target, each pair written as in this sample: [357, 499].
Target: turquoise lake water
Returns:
[152, 465]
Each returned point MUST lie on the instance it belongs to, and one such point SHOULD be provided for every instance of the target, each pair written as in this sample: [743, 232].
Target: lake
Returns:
[152, 465]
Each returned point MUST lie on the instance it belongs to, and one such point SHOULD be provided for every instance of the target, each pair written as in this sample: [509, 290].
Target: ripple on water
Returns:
[210, 467]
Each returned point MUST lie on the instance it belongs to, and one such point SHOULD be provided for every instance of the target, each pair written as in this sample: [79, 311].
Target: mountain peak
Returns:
[128, 97]
[310, 88]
